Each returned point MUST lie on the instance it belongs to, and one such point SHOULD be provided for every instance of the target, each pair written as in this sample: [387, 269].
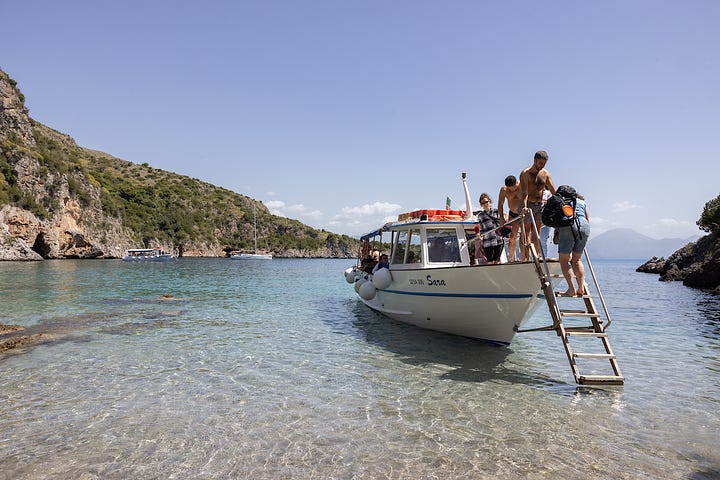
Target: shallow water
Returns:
[273, 370]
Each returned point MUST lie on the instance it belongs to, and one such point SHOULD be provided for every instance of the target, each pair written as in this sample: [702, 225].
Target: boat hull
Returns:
[150, 258]
[486, 302]
[147, 255]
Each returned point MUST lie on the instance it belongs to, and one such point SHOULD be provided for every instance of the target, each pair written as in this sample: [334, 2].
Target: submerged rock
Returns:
[12, 339]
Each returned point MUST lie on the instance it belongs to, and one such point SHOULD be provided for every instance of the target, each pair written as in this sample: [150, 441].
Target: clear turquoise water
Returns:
[274, 371]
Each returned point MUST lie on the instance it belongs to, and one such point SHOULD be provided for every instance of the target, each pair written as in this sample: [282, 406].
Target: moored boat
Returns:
[432, 280]
[254, 255]
[251, 256]
[147, 255]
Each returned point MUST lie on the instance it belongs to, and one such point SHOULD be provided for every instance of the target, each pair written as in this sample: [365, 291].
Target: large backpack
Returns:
[559, 210]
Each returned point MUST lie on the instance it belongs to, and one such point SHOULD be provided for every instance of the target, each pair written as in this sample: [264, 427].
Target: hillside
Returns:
[59, 200]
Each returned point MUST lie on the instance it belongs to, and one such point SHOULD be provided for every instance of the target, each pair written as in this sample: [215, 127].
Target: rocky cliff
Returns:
[39, 216]
[59, 200]
[696, 265]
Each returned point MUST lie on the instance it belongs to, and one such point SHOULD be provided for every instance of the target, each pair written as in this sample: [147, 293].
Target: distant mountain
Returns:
[626, 243]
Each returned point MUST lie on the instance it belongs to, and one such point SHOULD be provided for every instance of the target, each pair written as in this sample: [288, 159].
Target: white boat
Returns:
[448, 293]
[254, 255]
[147, 255]
[251, 256]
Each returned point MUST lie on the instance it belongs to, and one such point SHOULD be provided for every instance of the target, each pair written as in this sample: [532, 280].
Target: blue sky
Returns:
[343, 114]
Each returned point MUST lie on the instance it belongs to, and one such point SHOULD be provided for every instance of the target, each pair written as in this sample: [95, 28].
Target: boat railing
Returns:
[597, 289]
[530, 250]
[527, 247]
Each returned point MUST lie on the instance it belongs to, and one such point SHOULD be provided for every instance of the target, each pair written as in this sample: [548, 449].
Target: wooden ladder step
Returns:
[593, 355]
[578, 313]
[585, 328]
[601, 379]
[585, 334]
[560, 295]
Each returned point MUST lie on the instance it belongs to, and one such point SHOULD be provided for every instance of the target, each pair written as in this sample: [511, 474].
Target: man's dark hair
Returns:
[510, 180]
[541, 154]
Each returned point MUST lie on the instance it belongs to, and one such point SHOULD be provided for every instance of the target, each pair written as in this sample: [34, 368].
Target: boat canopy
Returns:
[372, 234]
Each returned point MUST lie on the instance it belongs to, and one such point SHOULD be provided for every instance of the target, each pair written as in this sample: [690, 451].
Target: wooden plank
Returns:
[593, 355]
[601, 379]
[586, 334]
[578, 313]
[584, 328]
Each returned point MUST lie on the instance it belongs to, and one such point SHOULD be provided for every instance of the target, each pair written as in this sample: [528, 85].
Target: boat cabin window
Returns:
[442, 245]
[414, 247]
[470, 244]
[399, 248]
[407, 247]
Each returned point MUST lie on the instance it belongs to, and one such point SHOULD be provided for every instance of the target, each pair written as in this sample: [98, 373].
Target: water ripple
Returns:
[276, 371]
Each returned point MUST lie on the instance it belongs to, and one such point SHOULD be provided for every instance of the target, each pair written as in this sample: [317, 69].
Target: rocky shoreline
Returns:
[697, 264]
[22, 255]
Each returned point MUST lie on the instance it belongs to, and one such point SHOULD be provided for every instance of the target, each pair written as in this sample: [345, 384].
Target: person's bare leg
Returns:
[526, 237]
[565, 266]
[536, 239]
[512, 242]
[579, 270]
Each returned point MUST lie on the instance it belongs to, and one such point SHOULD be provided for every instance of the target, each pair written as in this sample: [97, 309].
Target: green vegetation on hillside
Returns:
[38, 163]
[154, 203]
[710, 218]
[179, 209]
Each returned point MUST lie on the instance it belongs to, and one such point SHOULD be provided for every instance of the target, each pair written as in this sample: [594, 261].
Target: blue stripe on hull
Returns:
[463, 295]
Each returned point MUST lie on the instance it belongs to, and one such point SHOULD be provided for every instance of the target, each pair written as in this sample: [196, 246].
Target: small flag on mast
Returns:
[447, 203]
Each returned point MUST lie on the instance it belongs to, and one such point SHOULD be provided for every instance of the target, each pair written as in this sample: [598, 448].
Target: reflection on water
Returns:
[277, 371]
[463, 359]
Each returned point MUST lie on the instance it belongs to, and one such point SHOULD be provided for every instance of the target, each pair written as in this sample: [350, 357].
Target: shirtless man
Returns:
[510, 192]
[533, 182]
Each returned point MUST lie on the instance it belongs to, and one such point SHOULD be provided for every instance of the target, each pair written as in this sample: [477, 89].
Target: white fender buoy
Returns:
[359, 284]
[367, 291]
[349, 275]
[382, 278]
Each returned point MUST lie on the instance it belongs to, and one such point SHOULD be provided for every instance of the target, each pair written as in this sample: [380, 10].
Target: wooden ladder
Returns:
[585, 336]
[564, 323]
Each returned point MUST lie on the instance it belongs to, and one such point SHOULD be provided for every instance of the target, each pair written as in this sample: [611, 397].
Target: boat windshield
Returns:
[398, 255]
[442, 244]
[414, 247]
[407, 247]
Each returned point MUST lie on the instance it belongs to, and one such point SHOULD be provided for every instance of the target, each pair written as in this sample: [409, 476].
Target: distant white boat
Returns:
[254, 255]
[147, 255]
[251, 256]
